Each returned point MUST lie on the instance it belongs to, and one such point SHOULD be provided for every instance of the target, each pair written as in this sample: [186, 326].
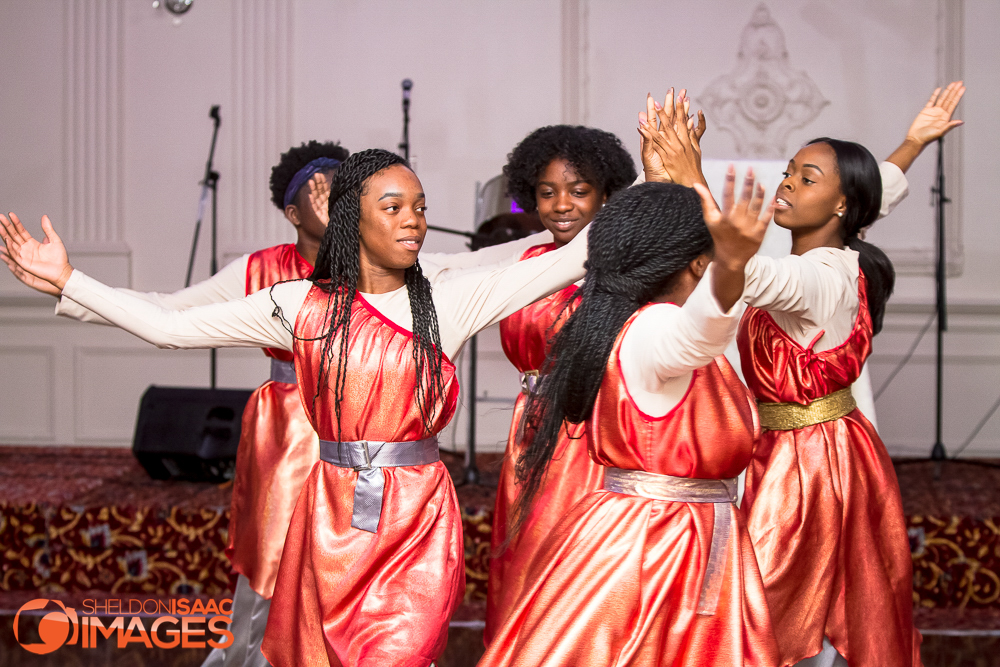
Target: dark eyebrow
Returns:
[814, 167]
[420, 195]
[571, 183]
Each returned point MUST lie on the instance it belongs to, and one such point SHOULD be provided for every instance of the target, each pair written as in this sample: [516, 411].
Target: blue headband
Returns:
[303, 175]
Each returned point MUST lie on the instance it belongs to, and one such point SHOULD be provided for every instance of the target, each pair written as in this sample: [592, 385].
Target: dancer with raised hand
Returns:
[278, 446]
[565, 173]
[373, 566]
[822, 501]
[655, 568]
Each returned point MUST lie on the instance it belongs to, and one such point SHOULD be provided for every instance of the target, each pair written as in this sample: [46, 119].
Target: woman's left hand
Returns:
[46, 261]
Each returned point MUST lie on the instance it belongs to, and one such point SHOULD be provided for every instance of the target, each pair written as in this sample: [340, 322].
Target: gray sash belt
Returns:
[368, 457]
[283, 371]
[721, 492]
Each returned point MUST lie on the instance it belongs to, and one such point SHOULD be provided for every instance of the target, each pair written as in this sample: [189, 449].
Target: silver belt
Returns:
[283, 371]
[529, 382]
[368, 457]
[720, 492]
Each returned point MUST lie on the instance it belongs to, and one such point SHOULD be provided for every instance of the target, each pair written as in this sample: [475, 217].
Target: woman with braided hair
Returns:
[566, 174]
[373, 566]
[655, 567]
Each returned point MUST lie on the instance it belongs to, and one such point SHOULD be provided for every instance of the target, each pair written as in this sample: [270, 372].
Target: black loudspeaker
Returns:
[189, 433]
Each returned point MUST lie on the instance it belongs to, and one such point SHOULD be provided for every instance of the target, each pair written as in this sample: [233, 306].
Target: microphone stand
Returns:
[404, 145]
[209, 183]
[938, 452]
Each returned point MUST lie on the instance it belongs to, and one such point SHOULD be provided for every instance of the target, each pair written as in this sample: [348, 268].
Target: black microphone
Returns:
[407, 85]
[214, 113]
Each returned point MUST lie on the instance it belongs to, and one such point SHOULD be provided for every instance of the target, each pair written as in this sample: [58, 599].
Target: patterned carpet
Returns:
[79, 523]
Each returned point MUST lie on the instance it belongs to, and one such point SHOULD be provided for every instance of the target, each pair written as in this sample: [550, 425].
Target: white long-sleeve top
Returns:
[230, 282]
[466, 302]
[895, 187]
[666, 343]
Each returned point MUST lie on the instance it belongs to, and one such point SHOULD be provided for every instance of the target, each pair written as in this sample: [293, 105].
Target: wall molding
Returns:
[93, 98]
[260, 131]
[43, 372]
[575, 65]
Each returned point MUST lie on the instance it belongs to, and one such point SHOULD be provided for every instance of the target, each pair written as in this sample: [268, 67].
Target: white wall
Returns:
[106, 129]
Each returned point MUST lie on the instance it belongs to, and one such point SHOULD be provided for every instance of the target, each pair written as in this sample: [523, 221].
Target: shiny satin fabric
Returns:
[823, 507]
[619, 579]
[349, 597]
[572, 473]
[278, 447]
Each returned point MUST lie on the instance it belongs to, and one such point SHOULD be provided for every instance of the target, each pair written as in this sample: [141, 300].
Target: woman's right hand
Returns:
[46, 261]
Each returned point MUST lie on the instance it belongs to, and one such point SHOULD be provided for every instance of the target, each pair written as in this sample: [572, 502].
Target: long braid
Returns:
[336, 272]
[637, 246]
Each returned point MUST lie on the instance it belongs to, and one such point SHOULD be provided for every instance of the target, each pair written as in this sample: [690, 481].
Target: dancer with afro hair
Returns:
[565, 173]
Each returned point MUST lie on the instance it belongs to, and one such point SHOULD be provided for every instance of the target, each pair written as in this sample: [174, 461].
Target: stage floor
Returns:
[79, 523]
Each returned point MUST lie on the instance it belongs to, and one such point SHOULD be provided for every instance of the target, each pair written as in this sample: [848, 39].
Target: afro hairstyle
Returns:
[596, 155]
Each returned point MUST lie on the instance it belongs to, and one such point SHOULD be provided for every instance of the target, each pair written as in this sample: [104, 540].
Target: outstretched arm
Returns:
[243, 323]
[933, 122]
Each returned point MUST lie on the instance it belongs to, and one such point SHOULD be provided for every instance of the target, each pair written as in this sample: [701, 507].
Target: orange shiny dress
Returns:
[278, 447]
[345, 596]
[823, 507]
[619, 580]
[572, 473]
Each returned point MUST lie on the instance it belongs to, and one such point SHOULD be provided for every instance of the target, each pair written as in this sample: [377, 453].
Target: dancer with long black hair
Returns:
[655, 568]
[565, 173]
[373, 566]
[822, 501]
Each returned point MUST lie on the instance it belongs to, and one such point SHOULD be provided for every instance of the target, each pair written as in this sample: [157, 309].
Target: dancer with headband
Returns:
[822, 501]
[373, 565]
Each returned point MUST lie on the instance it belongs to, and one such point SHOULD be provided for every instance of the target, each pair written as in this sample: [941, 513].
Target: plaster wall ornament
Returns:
[763, 98]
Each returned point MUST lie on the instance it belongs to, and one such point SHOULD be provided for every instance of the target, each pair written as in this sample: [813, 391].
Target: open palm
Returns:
[935, 119]
[46, 260]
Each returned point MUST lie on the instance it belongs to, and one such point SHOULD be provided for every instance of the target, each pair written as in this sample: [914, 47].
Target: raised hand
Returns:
[46, 261]
[670, 148]
[31, 281]
[319, 196]
[737, 229]
[934, 120]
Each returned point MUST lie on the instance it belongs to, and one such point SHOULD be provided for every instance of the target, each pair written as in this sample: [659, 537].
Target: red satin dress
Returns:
[619, 580]
[572, 473]
[278, 447]
[823, 507]
[346, 596]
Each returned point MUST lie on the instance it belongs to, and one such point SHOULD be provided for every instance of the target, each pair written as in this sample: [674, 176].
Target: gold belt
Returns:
[720, 492]
[790, 416]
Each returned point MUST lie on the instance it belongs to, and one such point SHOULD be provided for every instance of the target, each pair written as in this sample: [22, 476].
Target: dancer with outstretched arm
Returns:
[822, 502]
[373, 566]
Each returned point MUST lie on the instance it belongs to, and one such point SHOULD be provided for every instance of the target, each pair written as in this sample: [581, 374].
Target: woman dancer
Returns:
[822, 501]
[566, 173]
[278, 445]
[373, 565]
[656, 568]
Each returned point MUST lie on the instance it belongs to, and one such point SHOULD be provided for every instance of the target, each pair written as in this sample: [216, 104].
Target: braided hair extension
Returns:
[638, 245]
[337, 269]
[294, 159]
[861, 185]
[596, 155]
